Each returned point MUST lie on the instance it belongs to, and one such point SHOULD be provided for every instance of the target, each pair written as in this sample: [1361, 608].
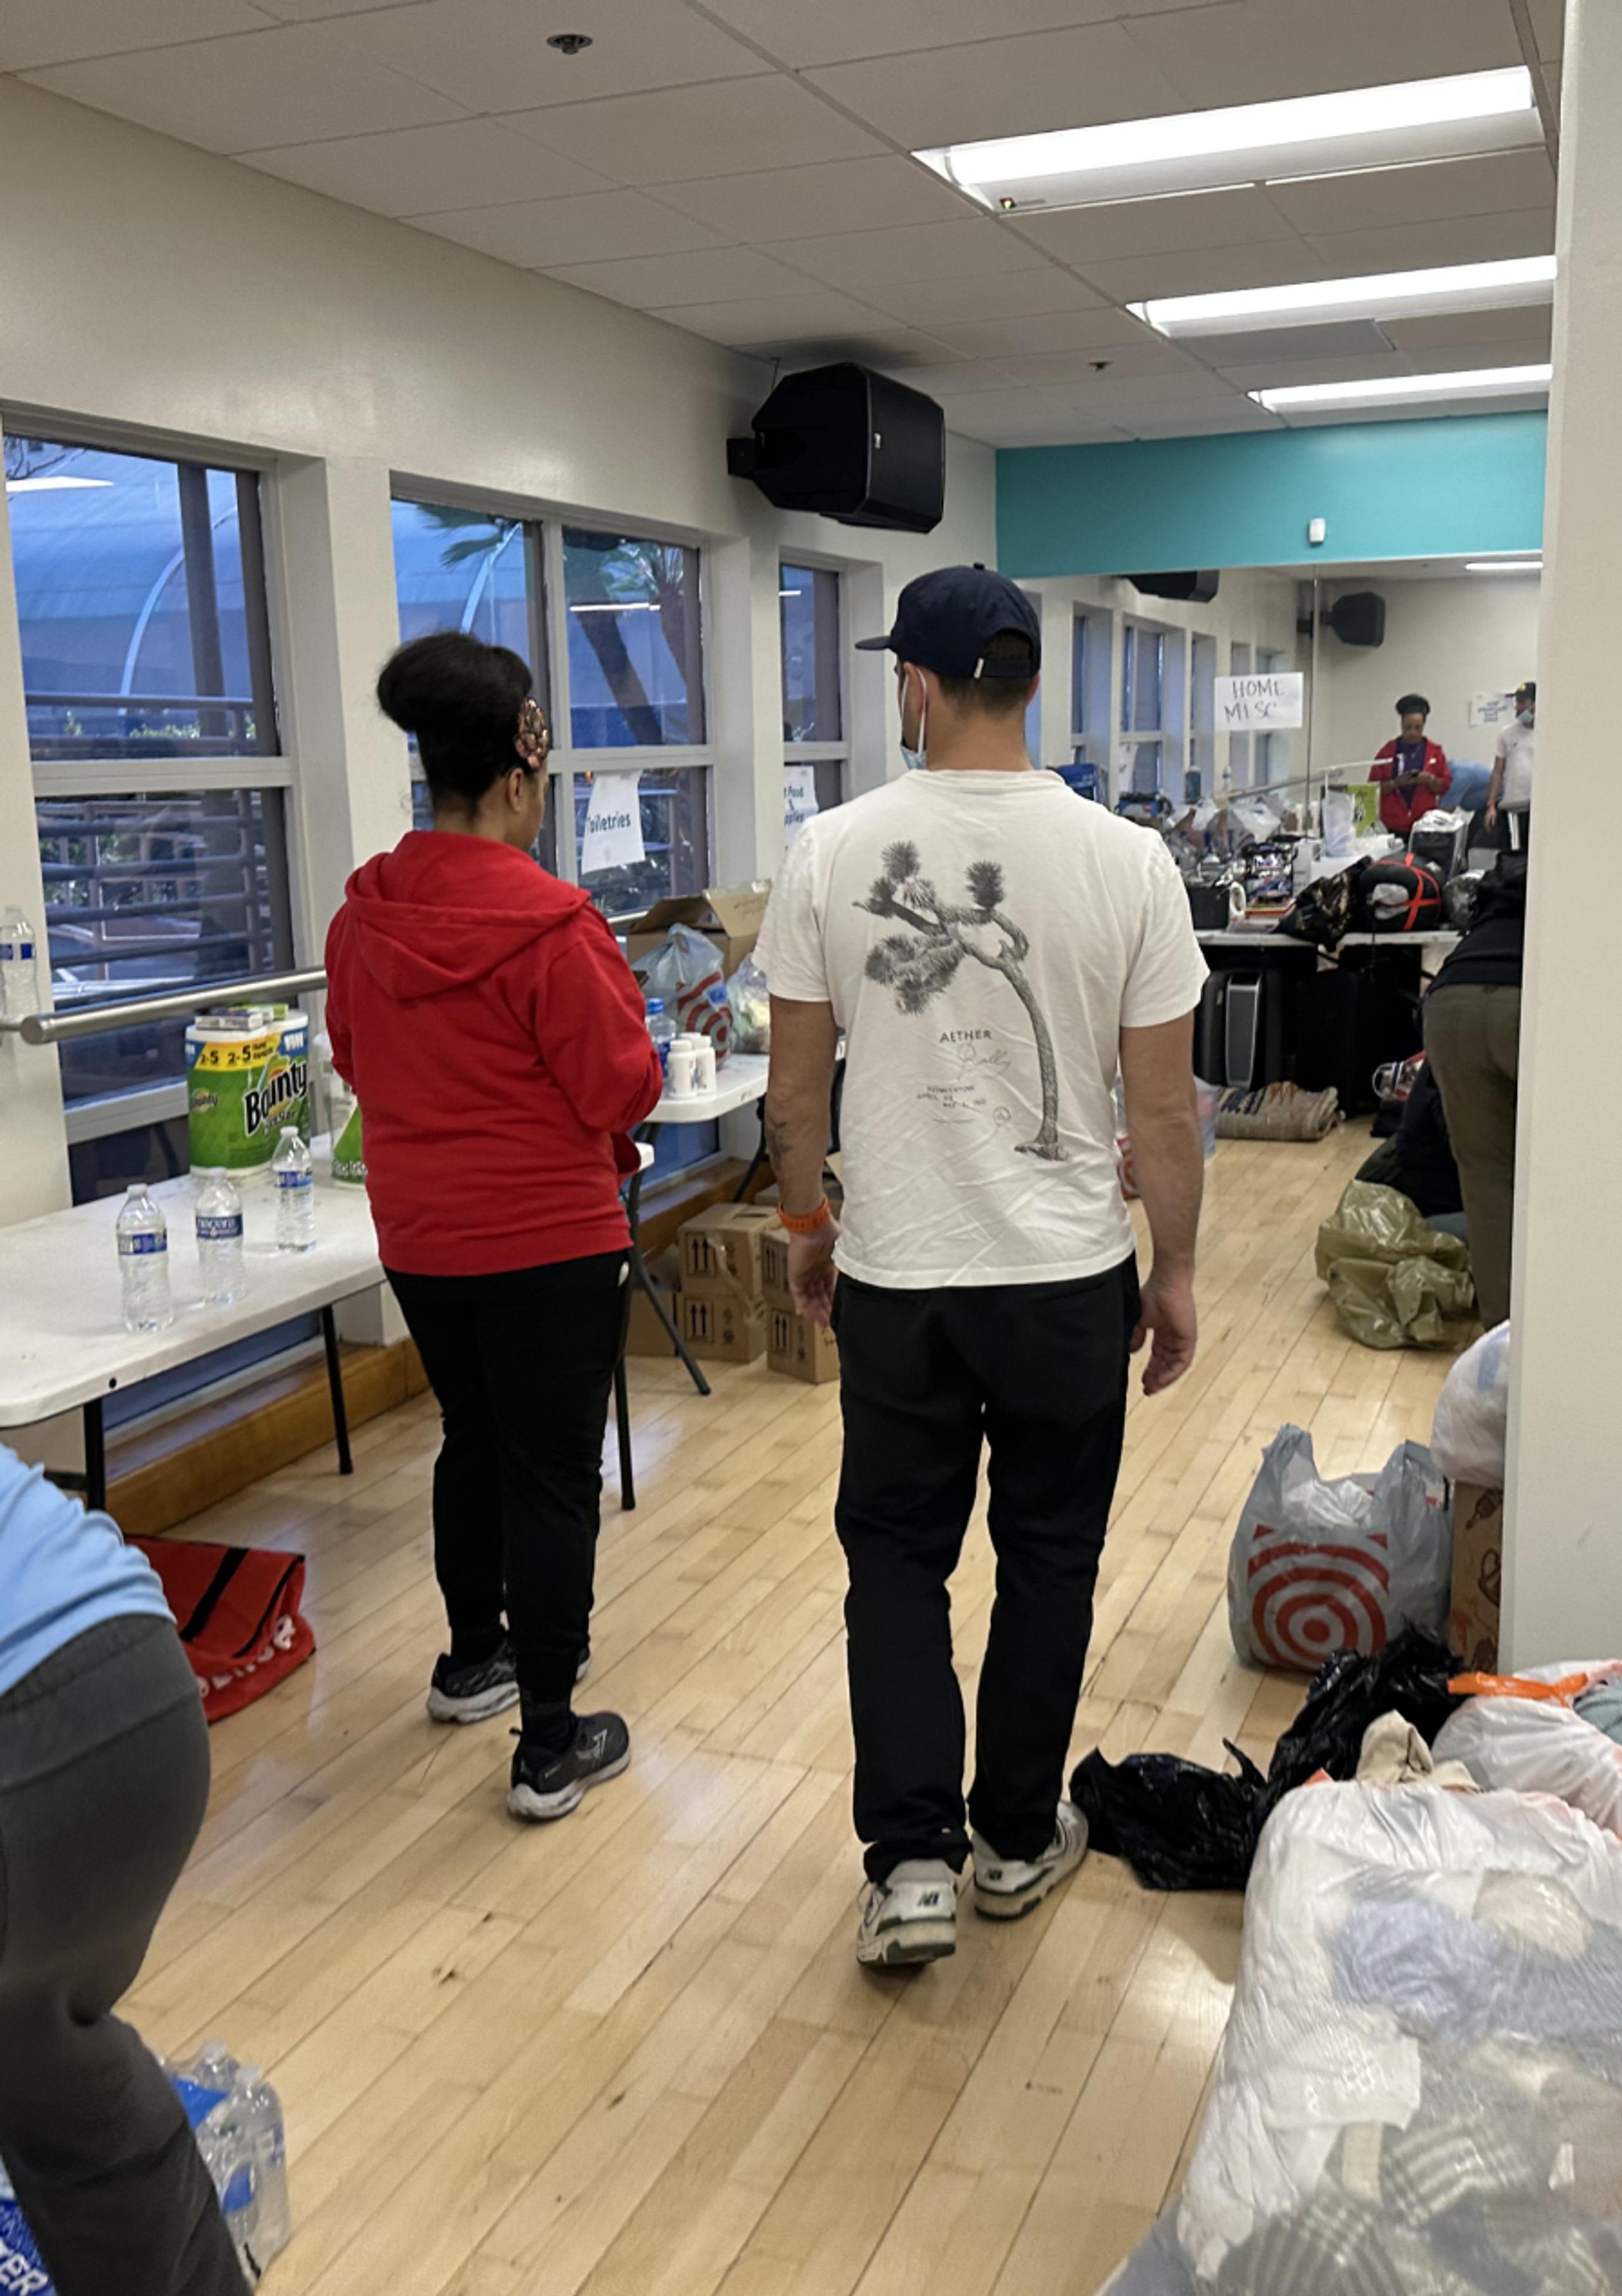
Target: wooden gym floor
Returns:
[632, 2055]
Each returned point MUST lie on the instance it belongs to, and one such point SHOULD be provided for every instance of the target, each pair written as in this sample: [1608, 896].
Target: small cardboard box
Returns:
[1478, 1563]
[807, 1351]
[774, 1264]
[722, 1247]
[645, 1335]
[723, 1327]
[730, 915]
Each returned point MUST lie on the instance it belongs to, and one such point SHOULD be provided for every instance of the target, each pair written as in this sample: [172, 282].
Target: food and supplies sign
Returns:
[1264, 703]
[798, 799]
[613, 838]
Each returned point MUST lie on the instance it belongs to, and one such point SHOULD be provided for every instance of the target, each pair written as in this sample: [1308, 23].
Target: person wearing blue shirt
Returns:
[103, 1782]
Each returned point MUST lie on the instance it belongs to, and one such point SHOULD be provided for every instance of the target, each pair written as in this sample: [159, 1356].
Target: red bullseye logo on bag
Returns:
[1307, 1602]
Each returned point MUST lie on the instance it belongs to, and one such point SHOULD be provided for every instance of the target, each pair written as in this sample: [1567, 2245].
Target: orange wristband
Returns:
[806, 1223]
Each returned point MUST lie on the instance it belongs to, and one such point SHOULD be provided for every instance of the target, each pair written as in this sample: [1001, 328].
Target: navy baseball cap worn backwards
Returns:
[946, 621]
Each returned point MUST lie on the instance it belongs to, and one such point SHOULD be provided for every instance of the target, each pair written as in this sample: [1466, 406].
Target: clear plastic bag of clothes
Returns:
[1547, 1731]
[750, 998]
[1396, 1281]
[1420, 2089]
[1469, 1431]
[1318, 1566]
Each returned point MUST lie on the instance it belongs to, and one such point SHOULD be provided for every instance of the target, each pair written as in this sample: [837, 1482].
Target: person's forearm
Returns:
[1168, 1165]
[1495, 782]
[796, 1137]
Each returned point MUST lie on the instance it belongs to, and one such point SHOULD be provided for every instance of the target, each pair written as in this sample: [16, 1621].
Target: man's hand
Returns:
[1167, 1312]
[1492, 813]
[812, 1274]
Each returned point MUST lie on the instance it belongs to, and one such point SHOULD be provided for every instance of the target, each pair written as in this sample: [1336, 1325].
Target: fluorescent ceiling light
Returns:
[1400, 390]
[1205, 151]
[1503, 566]
[1392, 294]
[49, 486]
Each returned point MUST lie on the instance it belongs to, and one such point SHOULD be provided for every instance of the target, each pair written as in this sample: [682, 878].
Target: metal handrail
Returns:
[134, 1012]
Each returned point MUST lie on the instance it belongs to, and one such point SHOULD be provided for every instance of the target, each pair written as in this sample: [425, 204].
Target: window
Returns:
[1239, 744]
[1142, 680]
[635, 654]
[1200, 779]
[159, 785]
[815, 749]
[1272, 750]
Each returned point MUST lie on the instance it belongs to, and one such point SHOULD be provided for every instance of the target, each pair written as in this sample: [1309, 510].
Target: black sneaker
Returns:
[473, 1694]
[550, 1785]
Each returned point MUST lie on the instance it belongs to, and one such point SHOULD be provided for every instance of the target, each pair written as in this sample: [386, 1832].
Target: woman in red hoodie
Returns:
[1414, 771]
[490, 1026]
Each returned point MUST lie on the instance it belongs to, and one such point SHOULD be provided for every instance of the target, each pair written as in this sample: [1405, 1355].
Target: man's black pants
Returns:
[521, 1364]
[1038, 1371]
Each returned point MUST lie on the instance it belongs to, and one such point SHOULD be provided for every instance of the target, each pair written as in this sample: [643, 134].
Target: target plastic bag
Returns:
[685, 970]
[1467, 1433]
[1543, 1744]
[1319, 1567]
[1420, 2088]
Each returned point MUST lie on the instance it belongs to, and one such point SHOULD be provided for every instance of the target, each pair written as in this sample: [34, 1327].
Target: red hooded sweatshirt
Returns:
[489, 1025]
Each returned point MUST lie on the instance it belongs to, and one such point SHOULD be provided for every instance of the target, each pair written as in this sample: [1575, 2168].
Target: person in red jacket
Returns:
[1414, 772]
[488, 1023]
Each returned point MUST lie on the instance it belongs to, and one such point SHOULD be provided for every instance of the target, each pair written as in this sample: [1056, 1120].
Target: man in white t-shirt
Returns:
[994, 947]
[1510, 790]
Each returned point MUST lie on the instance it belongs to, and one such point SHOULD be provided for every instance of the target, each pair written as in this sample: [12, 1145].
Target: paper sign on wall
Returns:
[1491, 709]
[798, 799]
[1266, 702]
[612, 838]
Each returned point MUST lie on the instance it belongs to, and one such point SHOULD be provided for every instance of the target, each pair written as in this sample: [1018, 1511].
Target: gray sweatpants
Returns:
[103, 1781]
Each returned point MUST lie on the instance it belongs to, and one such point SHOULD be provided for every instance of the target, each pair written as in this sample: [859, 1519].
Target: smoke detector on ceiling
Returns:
[570, 44]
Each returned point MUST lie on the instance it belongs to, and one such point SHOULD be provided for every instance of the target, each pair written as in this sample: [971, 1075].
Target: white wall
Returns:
[156, 294]
[1446, 639]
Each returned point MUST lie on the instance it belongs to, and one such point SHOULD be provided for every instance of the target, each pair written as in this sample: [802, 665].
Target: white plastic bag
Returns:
[1467, 1435]
[1339, 823]
[1320, 1567]
[1420, 2088]
[685, 970]
[1541, 1746]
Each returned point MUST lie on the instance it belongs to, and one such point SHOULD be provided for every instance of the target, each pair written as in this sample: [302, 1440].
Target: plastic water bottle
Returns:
[143, 1262]
[262, 2125]
[661, 1027]
[211, 2091]
[19, 981]
[292, 1174]
[219, 1240]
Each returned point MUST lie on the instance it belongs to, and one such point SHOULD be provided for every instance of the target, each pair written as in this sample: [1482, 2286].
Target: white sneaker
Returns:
[912, 1917]
[1004, 1888]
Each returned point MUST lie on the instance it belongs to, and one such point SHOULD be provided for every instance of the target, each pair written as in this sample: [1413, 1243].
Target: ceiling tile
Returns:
[295, 12]
[994, 295]
[1263, 373]
[725, 128]
[1082, 235]
[803, 32]
[1338, 338]
[1494, 186]
[710, 275]
[773, 319]
[251, 92]
[36, 32]
[1250, 51]
[1129, 362]
[876, 345]
[541, 235]
[1279, 263]
[1522, 334]
[919, 252]
[961, 377]
[1205, 421]
[461, 163]
[492, 54]
[1549, 27]
[1102, 329]
[802, 202]
[1004, 87]
[1033, 430]
[1453, 239]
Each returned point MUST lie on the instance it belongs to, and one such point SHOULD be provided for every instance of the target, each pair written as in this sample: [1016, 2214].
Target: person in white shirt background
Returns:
[994, 948]
[1510, 790]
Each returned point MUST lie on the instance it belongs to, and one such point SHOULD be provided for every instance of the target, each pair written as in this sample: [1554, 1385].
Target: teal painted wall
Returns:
[1429, 489]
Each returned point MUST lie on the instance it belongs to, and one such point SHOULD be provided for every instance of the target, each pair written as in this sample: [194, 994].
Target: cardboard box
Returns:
[646, 1335]
[774, 1264]
[803, 1350]
[722, 1247]
[1478, 1563]
[729, 915]
[723, 1327]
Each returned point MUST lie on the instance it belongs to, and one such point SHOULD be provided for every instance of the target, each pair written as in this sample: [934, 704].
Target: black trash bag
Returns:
[1181, 1826]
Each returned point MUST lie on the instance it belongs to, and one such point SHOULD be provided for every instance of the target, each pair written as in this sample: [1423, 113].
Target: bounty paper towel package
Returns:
[247, 1076]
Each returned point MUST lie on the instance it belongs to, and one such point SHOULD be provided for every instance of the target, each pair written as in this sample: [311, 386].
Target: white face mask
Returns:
[918, 760]
[1525, 717]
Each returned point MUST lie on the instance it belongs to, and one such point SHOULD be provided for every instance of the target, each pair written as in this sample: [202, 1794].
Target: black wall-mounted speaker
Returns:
[1198, 588]
[851, 444]
[1359, 618]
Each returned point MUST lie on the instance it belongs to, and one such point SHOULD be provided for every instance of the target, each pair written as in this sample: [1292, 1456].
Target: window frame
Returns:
[1143, 737]
[821, 756]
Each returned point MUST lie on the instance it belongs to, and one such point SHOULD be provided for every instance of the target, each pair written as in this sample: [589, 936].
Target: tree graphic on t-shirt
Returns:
[920, 963]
